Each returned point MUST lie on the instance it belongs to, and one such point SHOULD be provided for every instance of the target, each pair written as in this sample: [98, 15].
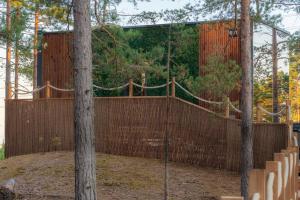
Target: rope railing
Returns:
[60, 89]
[196, 97]
[228, 104]
[21, 91]
[151, 87]
[280, 113]
[234, 108]
[111, 89]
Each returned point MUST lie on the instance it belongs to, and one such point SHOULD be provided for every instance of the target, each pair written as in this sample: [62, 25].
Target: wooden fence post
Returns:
[10, 94]
[289, 122]
[280, 158]
[173, 87]
[258, 113]
[296, 170]
[288, 194]
[130, 87]
[226, 107]
[288, 110]
[295, 139]
[272, 166]
[294, 151]
[48, 90]
[143, 84]
[231, 198]
[257, 183]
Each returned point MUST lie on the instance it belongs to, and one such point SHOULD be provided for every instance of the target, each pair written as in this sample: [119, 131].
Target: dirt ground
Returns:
[51, 176]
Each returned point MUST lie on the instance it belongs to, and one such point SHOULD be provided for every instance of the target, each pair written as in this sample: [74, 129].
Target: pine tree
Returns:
[85, 169]
[246, 107]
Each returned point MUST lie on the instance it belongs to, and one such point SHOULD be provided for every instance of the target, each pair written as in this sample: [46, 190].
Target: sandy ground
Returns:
[51, 176]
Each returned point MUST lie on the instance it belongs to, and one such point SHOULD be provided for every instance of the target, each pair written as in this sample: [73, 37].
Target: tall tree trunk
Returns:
[246, 125]
[35, 47]
[8, 50]
[17, 58]
[275, 76]
[85, 174]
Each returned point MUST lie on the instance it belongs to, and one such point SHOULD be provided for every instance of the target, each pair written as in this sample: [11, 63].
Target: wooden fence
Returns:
[135, 126]
[278, 180]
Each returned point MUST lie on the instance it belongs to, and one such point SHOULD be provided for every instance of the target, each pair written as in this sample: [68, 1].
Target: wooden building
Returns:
[56, 62]
[219, 38]
[56, 54]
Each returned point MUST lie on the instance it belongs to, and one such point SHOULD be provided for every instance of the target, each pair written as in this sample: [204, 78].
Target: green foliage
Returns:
[53, 14]
[115, 62]
[219, 79]
[1, 153]
[120, 54]
[21, 40]
[263, 89]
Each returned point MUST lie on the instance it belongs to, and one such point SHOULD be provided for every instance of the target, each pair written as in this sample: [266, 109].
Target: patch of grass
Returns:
[114, 171]
[1, 153]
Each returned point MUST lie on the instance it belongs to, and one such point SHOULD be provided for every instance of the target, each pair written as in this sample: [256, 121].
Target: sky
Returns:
[289, 23]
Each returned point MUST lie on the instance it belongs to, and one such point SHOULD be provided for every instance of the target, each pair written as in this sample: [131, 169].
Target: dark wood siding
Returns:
[214, 39]
[57, 62]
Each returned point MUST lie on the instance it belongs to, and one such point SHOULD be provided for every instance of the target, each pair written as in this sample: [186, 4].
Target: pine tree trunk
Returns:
[246, 124]
[275, 76]
[8, 50]
[85, 174]
[35, 48]
[17, 58]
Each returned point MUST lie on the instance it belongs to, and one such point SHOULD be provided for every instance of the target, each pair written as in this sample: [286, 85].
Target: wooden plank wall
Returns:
[215, 40]
[136, 127]
[57, 62]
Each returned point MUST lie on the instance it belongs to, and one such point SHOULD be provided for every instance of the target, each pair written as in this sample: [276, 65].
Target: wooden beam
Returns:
[48, 90]
[257, 183]
[289, 193]
[272, 166]
[173, 87]
[280, 158]
[226, 108]
[131, 88]
[258, 113]
[231, 198]
[294, 182]
[10, 93]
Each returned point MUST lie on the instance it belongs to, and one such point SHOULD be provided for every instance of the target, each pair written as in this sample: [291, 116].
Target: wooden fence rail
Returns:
[278, 180]
[135, 126]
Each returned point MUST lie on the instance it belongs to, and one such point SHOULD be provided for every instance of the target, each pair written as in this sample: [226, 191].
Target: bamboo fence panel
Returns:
[135, 126]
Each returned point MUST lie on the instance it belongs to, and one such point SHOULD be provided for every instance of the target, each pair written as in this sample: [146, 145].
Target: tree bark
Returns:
[35, 47]
[85, 174]
[17, 58]
[275, 75]
[246, 106]
[8, 50]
